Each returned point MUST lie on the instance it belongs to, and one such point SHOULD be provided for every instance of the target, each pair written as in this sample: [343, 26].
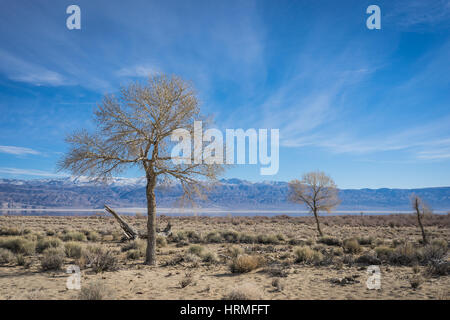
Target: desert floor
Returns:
[183, 272]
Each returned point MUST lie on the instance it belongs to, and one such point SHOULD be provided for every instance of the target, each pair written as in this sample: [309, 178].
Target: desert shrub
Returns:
[50, 233]
[243, 292]
[213, 237]
[329, 241]
[277, 284]
[365, 241]
[245, 263]
[351, 246]
[296, 242]
[18, 245]
[46, 243]
[192, 258]
[210, 257]
[134, 254]
[432, 252]
[337, 251]
[307, 255]
[438, 267]
[161, 241]
[368, 259]
[6, 256]
[138, 245]
[95, 291]
[383, 252]
[74, 236]
[73, 249]
[267, 239]
[52, 259]
[175, 260]
[92, 236]
[21, 260]
[179, 236]
[193, 236]
[276, 271]
[100, 259]
[441, 243]
[10, 232]
[247, 238]
[187, 280]
[196, 249]
[234, 251]
[230, 236]
[404, 255]
[416, 282]
[348, 259]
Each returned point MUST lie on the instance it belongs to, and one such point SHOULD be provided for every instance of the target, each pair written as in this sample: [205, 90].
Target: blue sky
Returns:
[369, 107]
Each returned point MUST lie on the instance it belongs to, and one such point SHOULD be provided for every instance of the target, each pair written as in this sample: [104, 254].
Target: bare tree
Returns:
[317, 191]
[134, 129]
[421, 210]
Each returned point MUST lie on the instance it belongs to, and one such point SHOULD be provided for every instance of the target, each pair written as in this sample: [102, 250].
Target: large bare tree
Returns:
[317, 191]
[421, 209]
[134, 129]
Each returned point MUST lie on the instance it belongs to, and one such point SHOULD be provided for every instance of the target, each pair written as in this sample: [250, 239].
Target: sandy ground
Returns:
[133, 280]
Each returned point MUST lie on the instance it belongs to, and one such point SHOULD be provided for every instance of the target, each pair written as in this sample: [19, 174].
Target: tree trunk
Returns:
[424, 237]
[150, 257]
[317, 221]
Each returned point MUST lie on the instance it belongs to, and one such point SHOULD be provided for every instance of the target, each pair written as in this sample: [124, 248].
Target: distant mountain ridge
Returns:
[228, 194]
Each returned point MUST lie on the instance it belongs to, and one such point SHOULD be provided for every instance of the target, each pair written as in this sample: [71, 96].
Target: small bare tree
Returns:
[134, 129]
[317, 191]
[421, 210]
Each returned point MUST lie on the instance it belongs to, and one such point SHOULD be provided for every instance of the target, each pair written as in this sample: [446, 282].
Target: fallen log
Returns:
[131, 233]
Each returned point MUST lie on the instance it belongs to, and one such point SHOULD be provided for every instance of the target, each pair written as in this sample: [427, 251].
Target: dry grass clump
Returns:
[74, 236]
[245, 291]
[234, 251]
[245, 263]
[73, 249]
[351, 246]
[187, 280]
[213, 237]
[161, 241]
[45, 243]
[100, 259]
[416, 282]
[368, 258]
[18, 245]
[383, 252]
[210, 257]
[11, 232]
[277, 284]
[135, 249]
[196, 250]
[95, 291]
[330, 241]
[6, 256]
[52, 259]
[92, 236]
[307, 255]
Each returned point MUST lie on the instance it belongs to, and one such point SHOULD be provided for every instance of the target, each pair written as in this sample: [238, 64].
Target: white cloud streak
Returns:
[19, 151]
[29, 172]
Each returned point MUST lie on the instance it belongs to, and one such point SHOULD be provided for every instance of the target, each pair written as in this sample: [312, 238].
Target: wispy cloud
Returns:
[20, 70]
[137, 71]
[417, 13]
[18, 150]
[29, 172]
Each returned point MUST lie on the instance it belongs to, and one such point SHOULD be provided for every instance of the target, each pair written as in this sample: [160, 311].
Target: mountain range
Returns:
[230, 194]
